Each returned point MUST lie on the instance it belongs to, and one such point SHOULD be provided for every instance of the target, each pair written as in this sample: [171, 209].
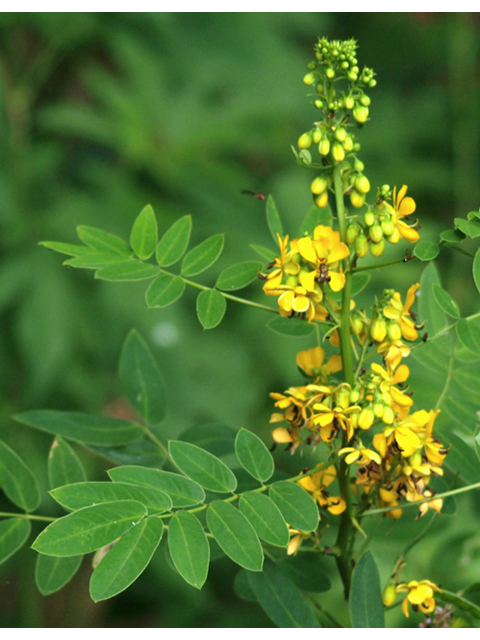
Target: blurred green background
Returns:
[103, 113]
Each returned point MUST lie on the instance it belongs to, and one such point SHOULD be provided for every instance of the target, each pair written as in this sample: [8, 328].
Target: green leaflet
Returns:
[291, 327]
[67, 249]
[142, 380]
[17, 481]
[104, 241]
[89, 529]
[94, 260]
[426, 250]
[211, 307]
[238, 276]
[189, 548]
[476, 269]
[183, 491]
[471, 228]
[445, 300]
[273, 219]
[307, 571]
[202, 467]
[64, 467]
[174, 243]
[235, 535]
[253, 455]
[468, 332]
[203, 255]
[85, 494]
[83, 427]
[51, 574]
[268, 254]
[144, 235]
[280, 599]
[126, 560]
[295, 504]
[366, 606]
[164, 290]
[315, 217]
[142, 453]
[218, 439]
[265, 517]
[128, 271]
[14, 533]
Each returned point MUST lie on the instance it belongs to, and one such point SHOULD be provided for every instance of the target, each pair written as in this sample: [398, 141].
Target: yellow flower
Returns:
[360, 455]
[322, 253]
[396, 311]
[311, 361]
[403, 207]
[436, 504]
[332, 419]
[420, 595]
[283, 265]
[300, 300]
[316, 485]
[386, 379]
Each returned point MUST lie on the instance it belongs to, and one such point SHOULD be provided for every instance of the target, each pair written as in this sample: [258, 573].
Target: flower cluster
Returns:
[306, 269]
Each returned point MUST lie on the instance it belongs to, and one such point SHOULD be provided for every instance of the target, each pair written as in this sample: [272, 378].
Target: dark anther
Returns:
[272, 264]
[273, 447]
[425, 336]
[261, 276]
[325, 161]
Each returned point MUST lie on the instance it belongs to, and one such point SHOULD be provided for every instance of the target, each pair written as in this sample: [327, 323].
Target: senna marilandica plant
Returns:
[364, 451]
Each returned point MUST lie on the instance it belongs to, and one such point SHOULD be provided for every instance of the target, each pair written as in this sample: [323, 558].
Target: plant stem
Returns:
[29, 516]
[378, 266]
[345, 530]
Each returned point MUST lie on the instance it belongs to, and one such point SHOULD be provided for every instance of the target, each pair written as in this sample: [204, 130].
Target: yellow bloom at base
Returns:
[396, 311]
[311, 362]
[402, 208]
[420, 596]
[317, 483]
[283, 265]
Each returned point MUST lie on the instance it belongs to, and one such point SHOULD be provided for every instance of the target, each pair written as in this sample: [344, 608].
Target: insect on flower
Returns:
[259, 196]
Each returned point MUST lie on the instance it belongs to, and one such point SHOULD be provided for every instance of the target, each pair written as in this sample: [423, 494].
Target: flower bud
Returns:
[375, 232]
[378, 409]
[366, 418]
[340, 134]
[361, 245]
[349, 102]
[394, 331]
[388, 227]
[394, 237]
[319, 185]
[309, 78]
[292, 281]
[354, 395]
[377, 248]
[362, 184]
[372, 83]
[319, 88]
[348, 143]
[360, 113]
[415, 460]
[358, 165]
[369, 218]
[305, 141]
[356, 147]
[388, 415]
[351, 233]
[316, 136]
[389, 595]
[324, 147]
[357, 324]
[321, 200]
[357, 199]
[338, 152]
[365, 100]
[318, 104]
[378, 329]
[329, 72]
[342, 397]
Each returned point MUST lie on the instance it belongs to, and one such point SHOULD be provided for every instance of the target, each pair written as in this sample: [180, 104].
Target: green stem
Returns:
[378, 266]
[345, 529]
[446, 330]
[29, 516]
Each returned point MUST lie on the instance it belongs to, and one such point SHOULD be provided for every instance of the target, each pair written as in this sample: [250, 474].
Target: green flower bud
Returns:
[338, 152]
[356, 147]
[394, 330]
[311, 66]
[377, 248]
[324, 147]
[319, 185]
[357, 199]
[362, 184]
[345, 65]
[378, 409]
[415, 460]
[369, 218]
[340, 134]
[351, 233]
[349, 102]
[292, 281]
[360, 113]
[378, 329]
[365, 100]
[358, 325]
[366, 418]
[305, 141]
[389, 595]
[309, 78]
[319, 88]
[372, 83]
[330, 73]
[388, 415]
[358, 165]
[394, 237]
[342, 397]
[375, 232]
[321, 200]
[354, 396]
[348, 143]
[351, 75]
[318, 104]
[316, 136]
[388, 227]
[361, 245]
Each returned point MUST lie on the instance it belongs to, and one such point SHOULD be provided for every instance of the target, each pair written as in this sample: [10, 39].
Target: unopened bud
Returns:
[366, 418]
[358, 165]
[415, 460]
[388, 227]
[319, 185]
[321, 200]
[342, 397]
[354, 396]
[338, 152]
[394, 331]
[316, 136]
[305, 141]
[377, 248]
[351, 233]
[361, 245]
[378, 329]
[292, 281]
[369, 218]
[329, 72]
[388, 415]
[340, 134]
[360, 113]
[309, 78]
[378, 409]
[362, 184]
[389, 595]
[375, 232]
[365, 100]
[394, 237]
[324, 147]
[357, 199]
[348, 143]
[349, 102]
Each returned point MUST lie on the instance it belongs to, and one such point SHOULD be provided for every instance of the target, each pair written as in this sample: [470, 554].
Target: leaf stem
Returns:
[378, 266]
[29, 516]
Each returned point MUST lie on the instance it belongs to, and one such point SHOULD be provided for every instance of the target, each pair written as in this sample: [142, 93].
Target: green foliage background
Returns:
[102, 113]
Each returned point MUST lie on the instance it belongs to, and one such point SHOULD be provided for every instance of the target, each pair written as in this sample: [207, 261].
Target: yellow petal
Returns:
[410, 299]
[337, 280]
[281, 435]
[407, 232]
[307, 280]
[407, 207]
[334, 363]
[336, 505]
[338, 252]
[306, 250]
